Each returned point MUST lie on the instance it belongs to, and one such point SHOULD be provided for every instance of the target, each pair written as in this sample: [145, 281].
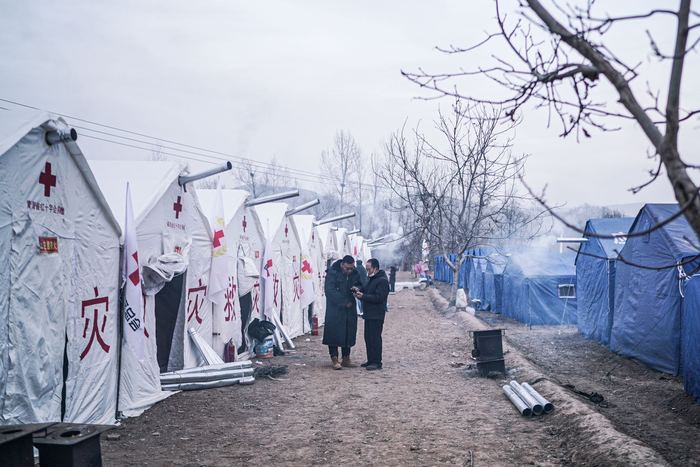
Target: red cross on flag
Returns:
[133, 312]
[220, 270]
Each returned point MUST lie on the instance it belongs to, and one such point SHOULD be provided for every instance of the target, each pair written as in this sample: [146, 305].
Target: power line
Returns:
[179, 155]
[300, 174]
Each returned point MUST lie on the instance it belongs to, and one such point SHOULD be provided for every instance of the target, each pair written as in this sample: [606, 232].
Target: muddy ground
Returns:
[640, 402]
[426, 407]
[419, 410]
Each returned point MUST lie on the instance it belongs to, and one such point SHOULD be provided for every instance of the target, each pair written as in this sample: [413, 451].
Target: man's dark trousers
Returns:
[373, 340]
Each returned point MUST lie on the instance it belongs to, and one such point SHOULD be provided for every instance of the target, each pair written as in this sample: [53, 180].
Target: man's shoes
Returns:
[373, 367]
[364, 365]
[347, 363]
[336, 363]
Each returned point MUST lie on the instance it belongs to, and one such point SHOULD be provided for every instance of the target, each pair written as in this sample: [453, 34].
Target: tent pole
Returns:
[120, 333]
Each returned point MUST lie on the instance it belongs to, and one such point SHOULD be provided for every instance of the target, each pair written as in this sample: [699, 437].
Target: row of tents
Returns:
[73, 346]
[633, 284]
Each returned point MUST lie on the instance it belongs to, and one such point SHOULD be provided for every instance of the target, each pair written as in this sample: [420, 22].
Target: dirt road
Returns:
[418, 410]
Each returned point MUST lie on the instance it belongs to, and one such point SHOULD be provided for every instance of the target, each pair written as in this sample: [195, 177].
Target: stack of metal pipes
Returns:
[526, 399]
[209, 376]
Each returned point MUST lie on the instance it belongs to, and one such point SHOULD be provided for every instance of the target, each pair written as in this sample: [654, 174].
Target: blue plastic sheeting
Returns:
[476, 280]
[531, 287]
[690, 337]
[647, 317]
[595, 276]
[493, 282]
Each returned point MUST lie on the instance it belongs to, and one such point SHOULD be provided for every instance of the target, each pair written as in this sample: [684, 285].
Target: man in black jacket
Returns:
[340, 328]
[374, 296]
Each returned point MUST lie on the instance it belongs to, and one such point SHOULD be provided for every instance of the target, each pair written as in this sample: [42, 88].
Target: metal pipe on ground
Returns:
[208, 384]
[283, 331]
[535, 406]
[546, 405]
[210, 376]
[517, 401]
[209, 368]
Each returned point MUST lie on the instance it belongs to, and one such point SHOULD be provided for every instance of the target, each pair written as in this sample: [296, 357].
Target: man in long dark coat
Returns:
[374, 297]
[340, 328]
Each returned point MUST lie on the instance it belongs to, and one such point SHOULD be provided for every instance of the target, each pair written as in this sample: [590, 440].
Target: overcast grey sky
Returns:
[278, 78]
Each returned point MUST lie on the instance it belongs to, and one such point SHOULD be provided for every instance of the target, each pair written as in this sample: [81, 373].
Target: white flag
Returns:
[308, 294]
[219, 272]
[271, 284]
[134, 317]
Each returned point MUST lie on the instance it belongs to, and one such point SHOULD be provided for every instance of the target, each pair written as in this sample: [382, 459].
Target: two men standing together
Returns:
[344, 287]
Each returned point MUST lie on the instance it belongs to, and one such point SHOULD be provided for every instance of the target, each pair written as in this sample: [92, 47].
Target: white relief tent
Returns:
[175, 253]
[246, 242]
[366, 250]
[357, 247]
[312, 252]
[282, 296]
[59, 243]
[329, 243]
[343, 242]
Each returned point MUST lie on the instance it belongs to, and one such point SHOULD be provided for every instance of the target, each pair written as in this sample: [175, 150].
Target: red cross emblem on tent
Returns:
[306, 267]
[94, 305]
[195, 299]
[134, 277]
[230, 295]
[244, 224]
[47, 179]
[177, 207]
[218, 235]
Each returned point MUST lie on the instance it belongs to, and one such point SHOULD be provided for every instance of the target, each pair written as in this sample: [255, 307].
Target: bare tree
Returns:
[459, 185]
[341, 163]
[261, 179]
[555, 56]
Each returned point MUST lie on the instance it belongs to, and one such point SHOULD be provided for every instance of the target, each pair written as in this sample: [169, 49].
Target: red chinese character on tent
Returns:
[195, 299]
[229, 295]
[297, 287]
[276, 287]
[268, 266]
[244, 224]
[256, 298]
[98, 327]
[286, 230]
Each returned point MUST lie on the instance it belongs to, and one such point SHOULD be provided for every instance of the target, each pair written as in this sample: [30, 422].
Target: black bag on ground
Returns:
[260, 329]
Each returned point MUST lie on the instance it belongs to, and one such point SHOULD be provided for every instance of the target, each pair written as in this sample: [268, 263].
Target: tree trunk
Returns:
[455, 284]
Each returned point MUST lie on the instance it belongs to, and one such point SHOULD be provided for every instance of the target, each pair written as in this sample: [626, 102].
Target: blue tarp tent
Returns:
[539, 287]
[690, 337]
[475, 279]
[493, 282]
[647, 320]
[595, 276]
